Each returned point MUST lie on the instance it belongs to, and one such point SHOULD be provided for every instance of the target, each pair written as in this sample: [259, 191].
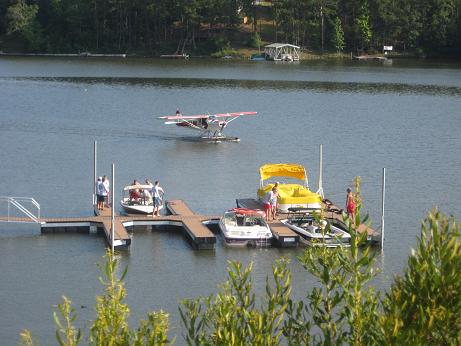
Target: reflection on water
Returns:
[316, 86]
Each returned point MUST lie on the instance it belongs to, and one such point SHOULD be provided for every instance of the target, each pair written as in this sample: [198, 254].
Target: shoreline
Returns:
[240, 54]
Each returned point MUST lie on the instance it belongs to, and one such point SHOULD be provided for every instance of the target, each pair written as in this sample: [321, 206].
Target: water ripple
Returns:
[316, 86]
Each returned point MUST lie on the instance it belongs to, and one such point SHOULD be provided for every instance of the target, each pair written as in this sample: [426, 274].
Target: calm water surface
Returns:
[405, 117]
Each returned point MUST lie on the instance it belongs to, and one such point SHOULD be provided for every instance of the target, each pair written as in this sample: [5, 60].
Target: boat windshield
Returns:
[232, 218]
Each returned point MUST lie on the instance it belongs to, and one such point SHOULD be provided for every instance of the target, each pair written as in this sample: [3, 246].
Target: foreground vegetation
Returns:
[151, 27]
[420, 308]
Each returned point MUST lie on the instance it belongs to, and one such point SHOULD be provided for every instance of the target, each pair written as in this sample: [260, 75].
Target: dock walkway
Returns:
[182, 216]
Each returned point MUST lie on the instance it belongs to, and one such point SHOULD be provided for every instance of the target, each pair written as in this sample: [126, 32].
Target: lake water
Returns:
[405, 117]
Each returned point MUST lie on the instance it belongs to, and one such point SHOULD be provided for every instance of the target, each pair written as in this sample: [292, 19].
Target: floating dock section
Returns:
[201, 237]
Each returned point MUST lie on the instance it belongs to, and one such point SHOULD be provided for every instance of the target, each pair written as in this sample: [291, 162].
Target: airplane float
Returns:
[211, 126]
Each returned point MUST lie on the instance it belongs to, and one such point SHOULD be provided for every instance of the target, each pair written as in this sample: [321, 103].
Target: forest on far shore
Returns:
[429, 28]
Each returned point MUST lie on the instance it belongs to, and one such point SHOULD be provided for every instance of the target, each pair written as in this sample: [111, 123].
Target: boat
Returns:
[245, 227]
[291, 195]
[314, 232]
[175, 56]
[137, 199]
[258, 57]
[287, 57]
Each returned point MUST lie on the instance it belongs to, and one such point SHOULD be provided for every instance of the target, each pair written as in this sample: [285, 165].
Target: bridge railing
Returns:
[28, 206]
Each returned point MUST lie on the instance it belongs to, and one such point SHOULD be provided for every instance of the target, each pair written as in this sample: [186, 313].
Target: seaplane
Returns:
[211, 126]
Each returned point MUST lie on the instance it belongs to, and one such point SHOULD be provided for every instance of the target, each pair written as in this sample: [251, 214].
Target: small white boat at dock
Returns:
[245, 227]
[137, 199]
[314, 233]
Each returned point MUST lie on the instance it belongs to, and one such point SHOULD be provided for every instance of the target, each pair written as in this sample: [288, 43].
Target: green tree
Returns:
[22, 19]
[338, 36]
[363, 26]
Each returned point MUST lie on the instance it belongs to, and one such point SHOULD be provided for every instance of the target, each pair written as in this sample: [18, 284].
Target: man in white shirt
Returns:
[157, 193]
[106, 183]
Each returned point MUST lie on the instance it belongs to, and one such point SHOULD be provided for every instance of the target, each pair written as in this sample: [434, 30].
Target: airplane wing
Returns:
[206, 116]
[185, 117]
[236, 114]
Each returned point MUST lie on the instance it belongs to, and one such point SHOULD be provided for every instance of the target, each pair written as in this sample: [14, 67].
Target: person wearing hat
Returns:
[100, 189]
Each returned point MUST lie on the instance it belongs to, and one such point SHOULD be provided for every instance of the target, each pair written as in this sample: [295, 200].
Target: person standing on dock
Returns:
[106, 184]
[274, 197]
[100, 194]
[350, 204]
[157, 193]
[270, 203]
[267, 205]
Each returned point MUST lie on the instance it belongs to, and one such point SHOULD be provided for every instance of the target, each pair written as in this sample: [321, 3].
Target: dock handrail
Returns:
[18, 203]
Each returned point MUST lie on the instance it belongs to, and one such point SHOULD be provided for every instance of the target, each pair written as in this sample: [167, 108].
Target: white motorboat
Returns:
[314, 234]
[138, 199]
[245, 227]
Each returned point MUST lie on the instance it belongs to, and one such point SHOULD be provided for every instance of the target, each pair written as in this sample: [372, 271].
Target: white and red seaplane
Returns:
[211, 126]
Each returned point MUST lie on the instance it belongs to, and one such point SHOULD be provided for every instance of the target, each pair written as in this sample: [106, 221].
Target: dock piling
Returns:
[382, 208]
[94, 173]
[113, 209]
[320, 189]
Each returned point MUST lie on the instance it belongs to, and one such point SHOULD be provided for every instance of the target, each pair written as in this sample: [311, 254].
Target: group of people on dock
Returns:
[102, 192]
[151, 195]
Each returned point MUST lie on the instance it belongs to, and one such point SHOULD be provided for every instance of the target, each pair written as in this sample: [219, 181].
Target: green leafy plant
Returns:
[423, 305]
[66, 334]
[110, 328]
[231, 316]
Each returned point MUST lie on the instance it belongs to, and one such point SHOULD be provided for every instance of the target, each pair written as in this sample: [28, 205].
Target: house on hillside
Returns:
[282, 52]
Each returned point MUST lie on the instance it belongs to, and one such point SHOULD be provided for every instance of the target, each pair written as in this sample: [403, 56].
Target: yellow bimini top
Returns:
[291, 170]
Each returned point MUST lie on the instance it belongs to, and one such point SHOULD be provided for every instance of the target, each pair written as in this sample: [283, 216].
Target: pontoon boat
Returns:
[290, 194]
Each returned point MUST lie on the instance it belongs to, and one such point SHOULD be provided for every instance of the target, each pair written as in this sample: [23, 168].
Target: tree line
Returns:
[429, 27]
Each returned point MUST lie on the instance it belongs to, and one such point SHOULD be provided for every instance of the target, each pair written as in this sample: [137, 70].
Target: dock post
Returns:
[112, 236]
[320, 189]
[382, 208]
[94, 173]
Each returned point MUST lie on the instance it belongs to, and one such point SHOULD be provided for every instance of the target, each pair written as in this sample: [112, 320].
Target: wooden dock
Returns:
[179, 216]
[199, 236]
[198, 233]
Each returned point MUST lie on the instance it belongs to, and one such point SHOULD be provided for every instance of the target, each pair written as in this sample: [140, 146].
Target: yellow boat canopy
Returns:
[291, 170]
